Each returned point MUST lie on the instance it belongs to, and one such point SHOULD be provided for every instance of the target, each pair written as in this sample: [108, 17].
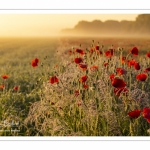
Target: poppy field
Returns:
[75, 87]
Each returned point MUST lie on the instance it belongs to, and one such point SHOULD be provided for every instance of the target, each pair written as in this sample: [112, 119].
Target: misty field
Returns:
[75, 87]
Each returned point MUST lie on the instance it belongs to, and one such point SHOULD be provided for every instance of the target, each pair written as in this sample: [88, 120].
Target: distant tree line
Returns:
[141, 26]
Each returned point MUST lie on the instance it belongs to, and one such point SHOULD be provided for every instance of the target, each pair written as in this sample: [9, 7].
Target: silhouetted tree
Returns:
[141, 26]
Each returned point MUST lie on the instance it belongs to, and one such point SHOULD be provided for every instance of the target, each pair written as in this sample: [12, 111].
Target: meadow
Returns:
[74, 86]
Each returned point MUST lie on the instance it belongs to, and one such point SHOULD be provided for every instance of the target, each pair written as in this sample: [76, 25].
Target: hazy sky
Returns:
[49, 24]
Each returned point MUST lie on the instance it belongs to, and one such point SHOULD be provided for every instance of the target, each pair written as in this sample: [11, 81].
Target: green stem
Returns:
[131, 129]
[128, 55]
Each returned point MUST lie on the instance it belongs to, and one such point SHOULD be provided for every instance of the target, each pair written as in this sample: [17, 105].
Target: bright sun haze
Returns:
[30, 25]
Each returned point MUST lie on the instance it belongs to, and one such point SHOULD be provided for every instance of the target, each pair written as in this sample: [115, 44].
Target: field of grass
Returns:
[16, 56]
[69, 92]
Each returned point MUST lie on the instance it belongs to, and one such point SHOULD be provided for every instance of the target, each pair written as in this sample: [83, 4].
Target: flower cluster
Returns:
[95, 87]
[136, 113]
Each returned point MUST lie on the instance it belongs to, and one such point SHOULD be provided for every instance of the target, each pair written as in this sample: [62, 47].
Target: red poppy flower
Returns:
[5, 76]
[16, 88]
[54, 79]
[119, 91]
[85, 86]
[2, 86]
[137, 66]
[80, 51]
[118, 83]
[93, 68]
[83, 78]
[77, 93]
[112, 76]
[131, 62]
[141, 77]
[148, 54]
[105, 64]
[147, 69]
[91, 50]
[83, 67]
[134, 51]
[146, 113]
[97, 47]
[123, 60]
[78, 60]
[35, 62]
[109, 53]
[121, 71]
[134, 114]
